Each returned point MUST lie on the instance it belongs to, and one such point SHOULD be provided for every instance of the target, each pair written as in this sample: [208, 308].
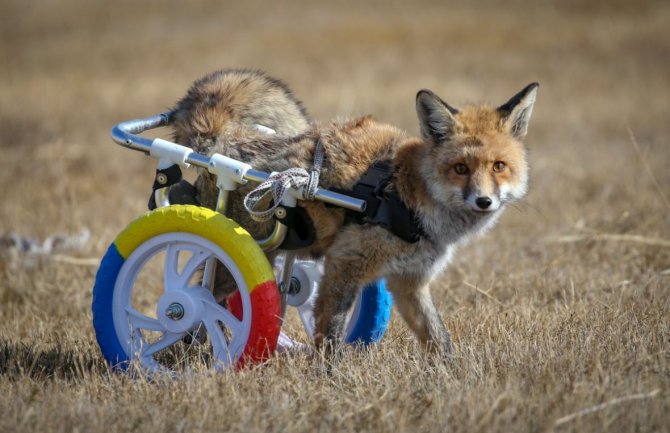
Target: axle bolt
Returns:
[294, 287]
[175, 311]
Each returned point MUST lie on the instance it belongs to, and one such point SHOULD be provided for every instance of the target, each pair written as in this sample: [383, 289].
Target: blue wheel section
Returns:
[103, 322]
[375, 314]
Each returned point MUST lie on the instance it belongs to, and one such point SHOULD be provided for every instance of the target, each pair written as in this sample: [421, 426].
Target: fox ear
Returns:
[515, 113]
[436, 117]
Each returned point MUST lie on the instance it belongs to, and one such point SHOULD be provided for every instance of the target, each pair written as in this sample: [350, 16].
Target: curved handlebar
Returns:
[126, 134]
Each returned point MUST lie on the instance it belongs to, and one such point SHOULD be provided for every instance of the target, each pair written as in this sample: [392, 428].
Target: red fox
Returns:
[456, 179]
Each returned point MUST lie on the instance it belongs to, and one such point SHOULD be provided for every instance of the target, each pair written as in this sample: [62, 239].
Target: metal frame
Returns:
[233, 172]
[125, 134]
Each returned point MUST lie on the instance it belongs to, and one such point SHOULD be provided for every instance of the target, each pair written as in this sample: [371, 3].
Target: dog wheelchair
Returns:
[172, 321]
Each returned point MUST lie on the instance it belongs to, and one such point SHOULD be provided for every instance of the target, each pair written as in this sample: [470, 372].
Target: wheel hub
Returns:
[182, 310]
[304, 282]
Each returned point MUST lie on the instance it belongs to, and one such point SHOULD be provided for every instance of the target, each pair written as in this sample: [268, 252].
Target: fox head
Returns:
[476, 160]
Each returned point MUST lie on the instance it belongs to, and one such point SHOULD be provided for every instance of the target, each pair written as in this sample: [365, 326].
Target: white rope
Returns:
[279, 183]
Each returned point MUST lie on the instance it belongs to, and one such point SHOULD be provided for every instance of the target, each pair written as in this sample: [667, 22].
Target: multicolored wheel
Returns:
[172, 322]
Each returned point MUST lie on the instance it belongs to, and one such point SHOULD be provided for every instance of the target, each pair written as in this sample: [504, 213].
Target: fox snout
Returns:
[480, 202]
[483, 202]
[486, 204]
[482, 184]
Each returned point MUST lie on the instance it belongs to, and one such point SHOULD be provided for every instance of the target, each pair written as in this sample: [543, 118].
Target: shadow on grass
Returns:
[20, 360]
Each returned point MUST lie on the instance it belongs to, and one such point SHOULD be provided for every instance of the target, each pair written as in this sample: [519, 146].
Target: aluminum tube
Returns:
[125, 134]
[256, 176]
[209, 273]
[286, 275]
[340, 200]
[222, 201]
[162, 197]
[275, 239]
[131, 141]
[198, 160]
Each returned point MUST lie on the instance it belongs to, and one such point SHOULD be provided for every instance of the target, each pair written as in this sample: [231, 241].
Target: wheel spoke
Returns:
[170, 275]
[167, 340]
[219, 343]
[306, 313]
[172, 278]
[197, 259]
[141, 321]
[215, 312]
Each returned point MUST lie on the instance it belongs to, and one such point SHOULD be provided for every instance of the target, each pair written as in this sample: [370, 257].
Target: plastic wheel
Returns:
[371, 314]
[172, 322]
[368, 318]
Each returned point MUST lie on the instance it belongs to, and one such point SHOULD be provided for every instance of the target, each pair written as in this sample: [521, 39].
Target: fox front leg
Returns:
[415, 304]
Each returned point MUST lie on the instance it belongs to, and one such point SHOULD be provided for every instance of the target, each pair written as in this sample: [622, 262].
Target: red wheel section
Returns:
[265, 322]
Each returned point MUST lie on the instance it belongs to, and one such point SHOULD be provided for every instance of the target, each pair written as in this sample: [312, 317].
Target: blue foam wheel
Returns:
[103, 321]
[372, 314]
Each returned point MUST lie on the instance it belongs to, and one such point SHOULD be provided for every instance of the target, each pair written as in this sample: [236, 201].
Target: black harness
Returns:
[384, 208]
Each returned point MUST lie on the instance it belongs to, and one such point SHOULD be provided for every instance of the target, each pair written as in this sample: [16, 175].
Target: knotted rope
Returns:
[279, 183]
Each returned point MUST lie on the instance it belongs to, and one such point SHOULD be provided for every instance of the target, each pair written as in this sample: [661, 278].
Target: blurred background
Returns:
[72, 69]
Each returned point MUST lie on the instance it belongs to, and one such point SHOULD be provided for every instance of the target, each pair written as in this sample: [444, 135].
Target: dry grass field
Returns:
[560, 316]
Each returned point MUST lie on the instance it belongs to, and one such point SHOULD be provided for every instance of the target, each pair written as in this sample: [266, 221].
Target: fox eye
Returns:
[460, 168]
[499, 166]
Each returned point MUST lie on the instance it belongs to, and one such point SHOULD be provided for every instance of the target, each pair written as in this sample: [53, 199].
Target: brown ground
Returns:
[563, 307]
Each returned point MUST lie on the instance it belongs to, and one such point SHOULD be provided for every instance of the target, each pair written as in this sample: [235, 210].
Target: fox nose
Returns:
[483, 202]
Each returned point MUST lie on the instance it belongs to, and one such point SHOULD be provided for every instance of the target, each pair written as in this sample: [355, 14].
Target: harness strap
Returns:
[384, 208]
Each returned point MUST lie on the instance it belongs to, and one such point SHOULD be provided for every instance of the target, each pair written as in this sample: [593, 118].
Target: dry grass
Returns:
[561, 315]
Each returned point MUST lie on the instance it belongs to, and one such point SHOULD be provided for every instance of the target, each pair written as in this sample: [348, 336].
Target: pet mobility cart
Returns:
[153, 301]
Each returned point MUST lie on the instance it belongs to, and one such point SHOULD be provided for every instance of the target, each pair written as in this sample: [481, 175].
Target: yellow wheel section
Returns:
[224, 232]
